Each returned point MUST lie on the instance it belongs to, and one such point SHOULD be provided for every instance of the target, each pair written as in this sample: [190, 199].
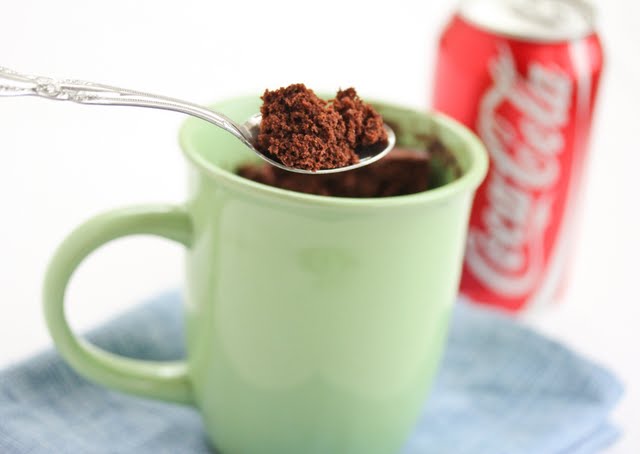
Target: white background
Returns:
[61, 163]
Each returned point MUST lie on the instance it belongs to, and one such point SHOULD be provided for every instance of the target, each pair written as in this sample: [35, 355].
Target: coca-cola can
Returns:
[523, 74]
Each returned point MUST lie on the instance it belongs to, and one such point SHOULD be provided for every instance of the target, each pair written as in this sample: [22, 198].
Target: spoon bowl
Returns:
[367, 155]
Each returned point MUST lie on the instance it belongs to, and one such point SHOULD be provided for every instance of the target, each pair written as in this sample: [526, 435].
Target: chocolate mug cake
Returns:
[303, 131]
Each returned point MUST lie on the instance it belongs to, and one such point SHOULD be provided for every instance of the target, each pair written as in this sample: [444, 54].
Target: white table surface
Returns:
[60, 164]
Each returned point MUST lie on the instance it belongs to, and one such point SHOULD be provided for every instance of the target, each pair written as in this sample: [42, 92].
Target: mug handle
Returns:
[161, 380]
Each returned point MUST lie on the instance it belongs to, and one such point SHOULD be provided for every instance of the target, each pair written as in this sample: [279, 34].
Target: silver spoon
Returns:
[13, 83]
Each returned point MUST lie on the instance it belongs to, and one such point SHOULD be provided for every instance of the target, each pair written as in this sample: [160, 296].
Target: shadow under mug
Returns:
[314, 324]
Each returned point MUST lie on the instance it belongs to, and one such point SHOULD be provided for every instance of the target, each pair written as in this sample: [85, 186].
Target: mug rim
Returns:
[469, 180]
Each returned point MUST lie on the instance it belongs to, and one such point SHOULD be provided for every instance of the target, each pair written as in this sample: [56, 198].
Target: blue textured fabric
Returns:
[501, 389]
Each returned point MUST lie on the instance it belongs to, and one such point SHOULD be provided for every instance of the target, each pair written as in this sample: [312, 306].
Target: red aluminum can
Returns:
[523, 74]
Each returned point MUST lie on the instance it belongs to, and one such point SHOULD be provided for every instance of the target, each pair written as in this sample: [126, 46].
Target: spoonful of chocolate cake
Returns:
[295, 129]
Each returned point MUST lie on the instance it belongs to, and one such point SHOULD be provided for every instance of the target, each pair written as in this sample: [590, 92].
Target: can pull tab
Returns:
[546, 13]
[553, 14]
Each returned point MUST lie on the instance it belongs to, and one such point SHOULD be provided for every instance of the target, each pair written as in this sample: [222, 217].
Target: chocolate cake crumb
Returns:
[401, 172]
[305, 132]
[364, 126]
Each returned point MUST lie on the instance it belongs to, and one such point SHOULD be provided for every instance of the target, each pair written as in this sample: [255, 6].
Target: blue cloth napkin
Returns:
[501, 389]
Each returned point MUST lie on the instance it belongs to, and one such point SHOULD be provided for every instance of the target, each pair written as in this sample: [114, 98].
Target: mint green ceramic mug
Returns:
[314, 324]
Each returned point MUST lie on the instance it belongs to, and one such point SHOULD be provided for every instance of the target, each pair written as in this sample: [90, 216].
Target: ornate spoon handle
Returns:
[13, 83]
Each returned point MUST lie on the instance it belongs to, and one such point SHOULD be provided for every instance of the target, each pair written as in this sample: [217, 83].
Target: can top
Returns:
[534, 20]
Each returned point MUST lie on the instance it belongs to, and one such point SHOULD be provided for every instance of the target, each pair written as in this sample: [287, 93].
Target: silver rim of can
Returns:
[532, 20]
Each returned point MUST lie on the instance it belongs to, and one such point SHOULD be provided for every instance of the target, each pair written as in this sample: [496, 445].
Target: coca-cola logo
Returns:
[520, 121]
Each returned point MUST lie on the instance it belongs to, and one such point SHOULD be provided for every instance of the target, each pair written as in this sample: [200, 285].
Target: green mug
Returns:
[314, 324]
